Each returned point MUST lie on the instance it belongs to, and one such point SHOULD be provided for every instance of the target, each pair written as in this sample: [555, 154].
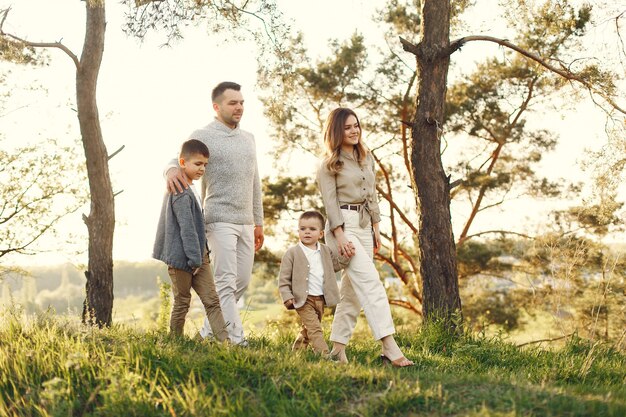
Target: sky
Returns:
[151, 97]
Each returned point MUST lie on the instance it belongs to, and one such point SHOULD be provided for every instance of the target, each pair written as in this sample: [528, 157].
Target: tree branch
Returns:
[416, 290]
[395, 55]
[42, 231]
[395, 207]
[403, 126]
[503, 232]
[565, 73]
[57, 45]
[619, 36]
[19, 198]
[481, 194]
[496, 153]
[545, 340]
[406, 305]
[394, 231]
[395, 266]
[408, 46]
[388, 197]
[400, 272]
[116, 152]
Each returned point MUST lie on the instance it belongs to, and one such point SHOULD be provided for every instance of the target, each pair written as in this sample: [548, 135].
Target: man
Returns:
[232, 203]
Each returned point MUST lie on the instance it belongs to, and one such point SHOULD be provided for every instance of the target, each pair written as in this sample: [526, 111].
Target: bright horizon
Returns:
[151, 98]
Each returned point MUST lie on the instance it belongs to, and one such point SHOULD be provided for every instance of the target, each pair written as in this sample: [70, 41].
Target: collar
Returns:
[309, 250]
[219, 125]
[348, 155]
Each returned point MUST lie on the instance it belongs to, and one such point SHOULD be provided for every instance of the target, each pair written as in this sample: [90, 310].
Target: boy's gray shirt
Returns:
[180, 239]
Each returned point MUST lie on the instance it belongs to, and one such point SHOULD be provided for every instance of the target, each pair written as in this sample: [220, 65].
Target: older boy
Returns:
[181, 243]
[307, 281]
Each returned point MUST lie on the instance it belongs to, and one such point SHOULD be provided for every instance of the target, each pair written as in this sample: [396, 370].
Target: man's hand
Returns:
[289, 304]
[176, 180]
[258, 238]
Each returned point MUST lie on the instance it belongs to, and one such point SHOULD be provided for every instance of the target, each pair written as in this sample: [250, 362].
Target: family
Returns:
[208, 235]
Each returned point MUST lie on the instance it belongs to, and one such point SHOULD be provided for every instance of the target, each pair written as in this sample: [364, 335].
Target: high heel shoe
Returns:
[338, 356]
[401, 362]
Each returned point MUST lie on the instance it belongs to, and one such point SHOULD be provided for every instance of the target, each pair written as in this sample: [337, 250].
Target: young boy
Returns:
[307, 281]
[181, 243]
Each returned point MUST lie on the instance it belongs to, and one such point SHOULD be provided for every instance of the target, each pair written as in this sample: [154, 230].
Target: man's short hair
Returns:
[312, 214]
[193, 147]
[223, 86]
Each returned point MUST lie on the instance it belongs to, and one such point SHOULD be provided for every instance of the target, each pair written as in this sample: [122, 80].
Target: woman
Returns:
[346, 179]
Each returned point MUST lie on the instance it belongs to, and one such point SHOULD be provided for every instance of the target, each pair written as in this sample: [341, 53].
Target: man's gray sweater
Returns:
[230, 187]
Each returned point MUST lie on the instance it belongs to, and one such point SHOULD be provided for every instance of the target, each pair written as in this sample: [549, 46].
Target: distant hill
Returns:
[62, 286]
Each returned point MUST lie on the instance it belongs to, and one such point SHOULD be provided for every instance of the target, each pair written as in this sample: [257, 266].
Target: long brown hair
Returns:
[333, 138]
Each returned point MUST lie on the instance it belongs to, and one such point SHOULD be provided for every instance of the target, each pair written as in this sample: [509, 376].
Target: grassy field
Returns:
[52, 366]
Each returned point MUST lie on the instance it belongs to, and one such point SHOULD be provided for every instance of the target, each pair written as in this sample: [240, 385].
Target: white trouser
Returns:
[361, 287]
[232, 256]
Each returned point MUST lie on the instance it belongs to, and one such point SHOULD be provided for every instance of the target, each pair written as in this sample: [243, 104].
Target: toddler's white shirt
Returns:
[316, 269]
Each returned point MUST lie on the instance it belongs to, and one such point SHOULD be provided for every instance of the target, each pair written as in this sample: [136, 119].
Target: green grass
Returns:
[50, 366]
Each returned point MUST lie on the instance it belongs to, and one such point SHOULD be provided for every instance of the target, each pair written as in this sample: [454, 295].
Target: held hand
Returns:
[346, 248]
[176, 180]
[258, 238]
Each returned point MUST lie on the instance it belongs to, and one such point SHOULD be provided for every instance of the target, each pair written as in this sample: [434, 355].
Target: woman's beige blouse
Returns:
[354, 184]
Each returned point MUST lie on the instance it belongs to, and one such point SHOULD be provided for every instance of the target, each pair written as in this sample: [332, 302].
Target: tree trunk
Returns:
[438, 253]
[98, 305]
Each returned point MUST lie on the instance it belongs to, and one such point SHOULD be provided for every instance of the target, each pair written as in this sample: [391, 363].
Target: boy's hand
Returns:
[289, 304]
[176, 180]
[346, 247]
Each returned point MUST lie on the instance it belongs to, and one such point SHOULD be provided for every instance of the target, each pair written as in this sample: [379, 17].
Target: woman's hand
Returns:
[346, 248]
[377, 241]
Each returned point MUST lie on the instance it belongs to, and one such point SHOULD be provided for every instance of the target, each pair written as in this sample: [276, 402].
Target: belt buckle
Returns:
[354, 207]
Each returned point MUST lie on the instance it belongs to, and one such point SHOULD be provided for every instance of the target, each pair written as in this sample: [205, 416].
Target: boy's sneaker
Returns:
[199, 338]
